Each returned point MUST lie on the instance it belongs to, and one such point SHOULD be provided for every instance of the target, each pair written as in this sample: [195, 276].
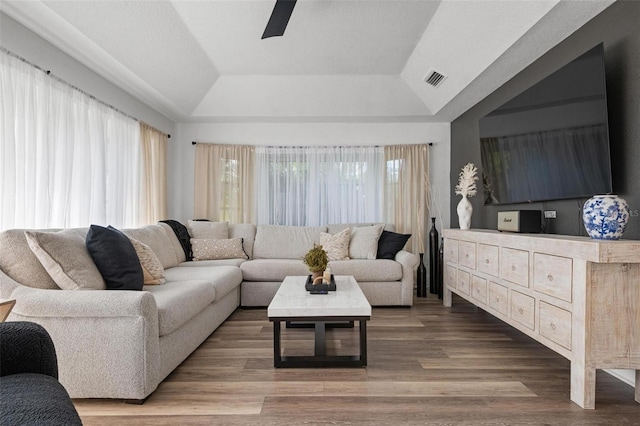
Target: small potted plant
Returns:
[316, 259]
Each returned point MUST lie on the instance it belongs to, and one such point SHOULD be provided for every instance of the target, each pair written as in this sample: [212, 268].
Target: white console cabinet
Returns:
[577, 296]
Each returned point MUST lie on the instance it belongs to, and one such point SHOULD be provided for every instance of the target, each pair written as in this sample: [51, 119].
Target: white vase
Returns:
[605, 217]
[465, 209]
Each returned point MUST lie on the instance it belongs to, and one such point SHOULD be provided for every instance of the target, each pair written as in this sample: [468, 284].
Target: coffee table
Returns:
[292, 303]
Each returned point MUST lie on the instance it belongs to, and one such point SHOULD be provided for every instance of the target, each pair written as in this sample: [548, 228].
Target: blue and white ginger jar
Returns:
[605, 217]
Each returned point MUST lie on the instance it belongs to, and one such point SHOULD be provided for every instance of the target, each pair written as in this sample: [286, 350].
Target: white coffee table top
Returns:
[292, 300]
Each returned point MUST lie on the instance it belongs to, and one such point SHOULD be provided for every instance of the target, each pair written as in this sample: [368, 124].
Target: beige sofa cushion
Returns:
[66, 259]
[364, 270]
[364, 242]
[285, 242]
[334, 228]
[222, 278]
[156, 237]
[208, 230]
[179, 301]
[272, 269]
[20, 263]
[175, 242]
[246, 231]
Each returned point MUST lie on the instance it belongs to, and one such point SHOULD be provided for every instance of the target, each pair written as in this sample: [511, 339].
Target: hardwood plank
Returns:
[428, 365]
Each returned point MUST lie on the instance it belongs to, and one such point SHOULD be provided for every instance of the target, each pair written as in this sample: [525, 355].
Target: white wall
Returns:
[310, 134]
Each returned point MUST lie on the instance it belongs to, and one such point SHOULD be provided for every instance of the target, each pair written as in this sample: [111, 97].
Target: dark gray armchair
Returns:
[30, 393]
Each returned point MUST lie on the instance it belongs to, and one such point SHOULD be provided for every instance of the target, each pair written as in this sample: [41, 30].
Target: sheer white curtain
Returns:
[66, 160]
[319, 185]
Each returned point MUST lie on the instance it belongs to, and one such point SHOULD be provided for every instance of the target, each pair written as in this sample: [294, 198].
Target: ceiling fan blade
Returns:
[279, 18]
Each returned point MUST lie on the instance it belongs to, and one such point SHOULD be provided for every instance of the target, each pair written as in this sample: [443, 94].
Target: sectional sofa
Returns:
[123, 343]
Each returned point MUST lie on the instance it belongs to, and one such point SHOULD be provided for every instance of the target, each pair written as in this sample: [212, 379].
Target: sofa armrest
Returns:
[407, 259]
[111, 336]
[38, 303]
[26, 348]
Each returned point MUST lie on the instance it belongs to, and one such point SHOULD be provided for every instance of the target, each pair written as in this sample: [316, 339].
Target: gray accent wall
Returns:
[617, 27]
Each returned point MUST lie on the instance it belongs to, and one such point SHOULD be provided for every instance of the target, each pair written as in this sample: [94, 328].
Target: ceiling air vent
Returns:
[434, 78]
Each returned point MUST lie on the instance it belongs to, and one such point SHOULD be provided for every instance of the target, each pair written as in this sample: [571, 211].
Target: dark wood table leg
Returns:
[277, 356]
[321, 339]
[363, 342]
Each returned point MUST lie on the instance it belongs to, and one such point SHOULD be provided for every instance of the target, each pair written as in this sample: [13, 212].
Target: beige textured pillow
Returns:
[65, 257]
[336, 245]
[364, 241]
[208, 230]
[209, 249]
[151, 267]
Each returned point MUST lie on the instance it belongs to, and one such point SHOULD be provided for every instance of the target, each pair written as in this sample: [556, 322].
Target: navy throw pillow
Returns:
[115, 257]
[390, 243]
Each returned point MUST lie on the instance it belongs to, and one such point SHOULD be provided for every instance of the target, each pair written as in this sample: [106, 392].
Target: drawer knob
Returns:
[486, 261]
[550, 277]
[553, 326]
[513, 267]
[521, 311]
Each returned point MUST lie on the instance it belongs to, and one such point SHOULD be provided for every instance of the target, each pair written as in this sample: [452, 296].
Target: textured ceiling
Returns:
[339, 60]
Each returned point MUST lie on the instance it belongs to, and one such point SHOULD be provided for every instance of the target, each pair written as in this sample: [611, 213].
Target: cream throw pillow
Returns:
[336, 245]
[210, 249]
[208, 230]
[152, 269]
[364, 241]
[66, 259]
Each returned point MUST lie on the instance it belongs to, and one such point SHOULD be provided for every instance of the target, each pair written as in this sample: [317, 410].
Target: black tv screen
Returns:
[551, 141]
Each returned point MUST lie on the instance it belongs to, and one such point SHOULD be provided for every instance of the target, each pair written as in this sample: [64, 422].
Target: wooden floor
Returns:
[428, 365]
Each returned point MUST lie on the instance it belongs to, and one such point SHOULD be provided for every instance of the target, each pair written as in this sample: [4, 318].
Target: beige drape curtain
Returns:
[224, 183]
[406, 191]
[154, 175]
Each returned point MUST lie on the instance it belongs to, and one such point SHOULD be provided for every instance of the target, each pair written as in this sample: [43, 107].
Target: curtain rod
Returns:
[76, 88]
[376, 146]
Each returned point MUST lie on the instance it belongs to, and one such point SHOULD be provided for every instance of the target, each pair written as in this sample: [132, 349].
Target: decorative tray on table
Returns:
[320, 288]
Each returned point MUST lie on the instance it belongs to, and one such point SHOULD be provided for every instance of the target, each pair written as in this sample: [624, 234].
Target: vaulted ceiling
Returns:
[339, 60]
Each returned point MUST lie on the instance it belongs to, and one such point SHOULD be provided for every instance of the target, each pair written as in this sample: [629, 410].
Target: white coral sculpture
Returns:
[467, 181]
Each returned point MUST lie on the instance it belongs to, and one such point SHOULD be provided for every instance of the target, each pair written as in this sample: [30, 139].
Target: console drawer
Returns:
[463, 281]
[450, 276]
[552, 275]
[499, 298]
[451, 251]
[467, 254]
[488, 259]
[479, 289]
[523, 309]
[514, 266]
[555, 324]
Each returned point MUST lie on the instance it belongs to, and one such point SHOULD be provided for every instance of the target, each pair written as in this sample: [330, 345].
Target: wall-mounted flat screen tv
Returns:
[551, 141]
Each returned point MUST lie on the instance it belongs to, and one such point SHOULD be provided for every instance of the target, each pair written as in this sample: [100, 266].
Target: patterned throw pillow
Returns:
[211, 249]
[151, 267]
[336, 245]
